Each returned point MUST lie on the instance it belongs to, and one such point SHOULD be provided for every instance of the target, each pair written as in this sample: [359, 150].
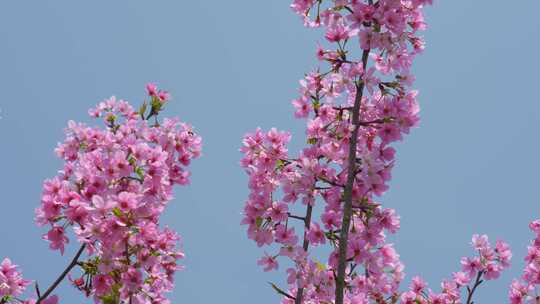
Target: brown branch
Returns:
[62, 275]
[372, 122]
[347, 194]
[303, 219]
[281, 291]
[323, 179]
[322, 188]
[476, 284]
[305, 246]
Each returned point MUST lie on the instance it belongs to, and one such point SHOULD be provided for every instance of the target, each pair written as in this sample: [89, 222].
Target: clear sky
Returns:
[471, 167]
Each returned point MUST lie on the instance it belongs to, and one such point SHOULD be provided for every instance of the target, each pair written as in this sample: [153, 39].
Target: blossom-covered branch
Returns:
[111, 192]
[354, 113]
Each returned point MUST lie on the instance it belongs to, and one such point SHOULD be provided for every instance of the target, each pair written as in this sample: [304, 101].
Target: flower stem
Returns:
[476, 284]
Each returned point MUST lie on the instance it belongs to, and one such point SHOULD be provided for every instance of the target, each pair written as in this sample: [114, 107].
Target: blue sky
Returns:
[471, 167]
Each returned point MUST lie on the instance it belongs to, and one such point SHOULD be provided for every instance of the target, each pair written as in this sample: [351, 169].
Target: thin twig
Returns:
[37, 290]
[323, 179]
[372, 122]
[281, 291]
[476, 284]
[303, 219]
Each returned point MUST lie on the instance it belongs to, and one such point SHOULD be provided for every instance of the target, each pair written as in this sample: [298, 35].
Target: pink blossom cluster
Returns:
[269, 168]
[321, 202]
[12, 283]
[114, 186]
[524, 290]
[487, 265]
[385, 31]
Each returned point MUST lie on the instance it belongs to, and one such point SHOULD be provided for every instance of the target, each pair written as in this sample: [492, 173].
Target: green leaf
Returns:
[316, 104]
[156, 104]
[132, 161]
[259, 221]
[280, 291]
[142, 109]
[5, 299]
[140, 172]
[320, 266]
[111, 119]
[109, 299]
[280, 164]
[83, 146]
[116, 211]
[312, 141]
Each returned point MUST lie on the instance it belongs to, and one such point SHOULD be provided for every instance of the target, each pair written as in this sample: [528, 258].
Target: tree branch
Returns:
[305, 246]
[62, 275]
[303, 219]
[347, 194]
[476, 284]
[280, 291]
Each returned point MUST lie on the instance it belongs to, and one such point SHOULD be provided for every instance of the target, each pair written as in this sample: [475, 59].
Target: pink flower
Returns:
[331, 219]
[471, 265]
[11, 282]
[101, 206]
[504, 253]
[102, 284]
[151, 89]
[337, 32]
[480, 242]
[116, 183]
[164, 96]
[461, 278]
[370, 81]
[278, 212]
[418, 285]
[493, 271]
[127, 201]
[268, 262]
[317, 175]
[301, 6]
[315, 235]
[302, 107]
[285, 236]
[408, 298]
[131, 279]
[57, 238]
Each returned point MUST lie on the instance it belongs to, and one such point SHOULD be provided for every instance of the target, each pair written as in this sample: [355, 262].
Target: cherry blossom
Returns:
[115, 184]
[12, 283]
[524, 290]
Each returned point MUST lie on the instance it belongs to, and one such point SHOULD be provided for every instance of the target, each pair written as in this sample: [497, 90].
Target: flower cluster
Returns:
[12, 283]
[487, 265]
[348, 107]
[524, 291]
[267, 163]
[114, 186]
